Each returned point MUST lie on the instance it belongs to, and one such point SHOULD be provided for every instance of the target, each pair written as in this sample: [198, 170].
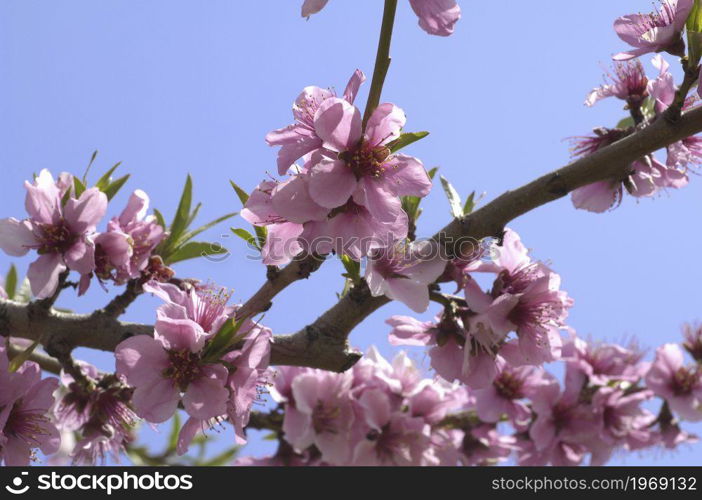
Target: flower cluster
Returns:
[62, 229]
[647, 175]
[471, 337]
[346, 196]
[176, 366]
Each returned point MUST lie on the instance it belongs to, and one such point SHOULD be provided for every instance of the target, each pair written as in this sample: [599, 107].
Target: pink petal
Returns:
[407, 176]
[437, 17]
[156, 401]
[383, 205]
[414, 295]
[385, 124]
[16, 237]
[354, 84]
[83, 214]
[291, 200]
[180, 334]
[331, 183]
[43, 274]
[136, 207]
[338, 124]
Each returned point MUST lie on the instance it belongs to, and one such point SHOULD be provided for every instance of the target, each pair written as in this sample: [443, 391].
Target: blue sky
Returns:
[171, 87]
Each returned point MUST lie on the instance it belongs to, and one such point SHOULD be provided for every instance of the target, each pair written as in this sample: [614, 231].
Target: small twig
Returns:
[382, 59]
[119, 304]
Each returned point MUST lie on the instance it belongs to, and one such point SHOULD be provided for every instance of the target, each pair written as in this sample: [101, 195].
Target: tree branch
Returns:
[323, 344]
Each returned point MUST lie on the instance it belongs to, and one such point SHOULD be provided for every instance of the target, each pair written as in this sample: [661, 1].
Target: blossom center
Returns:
[685, 380]
[508, 385]
[55, 238]
[324, 418]
[366, 160]
[27, 425]
[185, 367]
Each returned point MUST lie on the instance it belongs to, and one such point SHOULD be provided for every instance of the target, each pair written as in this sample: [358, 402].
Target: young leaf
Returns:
[453, 197]
[20, 358]
[223, 340]
[353, 267]
[182, 215]
[11, 282]
[90, 164]
[241, 194]
[193, 250]
[106, 178]
[113, 188]
[78, 187]
[160, 219]
[173, 435]
[191, 234]
[246, 236]
[405, 140]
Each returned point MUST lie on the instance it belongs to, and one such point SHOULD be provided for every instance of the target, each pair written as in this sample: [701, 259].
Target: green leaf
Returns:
[246, 236]
[453, 197]
[625, 122]
[190, 235]
[182, 214]
[78, 187]
[193, 250]
[470, 204]
[114, 187]
[90, 164]
[405, 140]
[193, 215]
[262, 234]
[223, 340]
[173, 435]
[353, 267]
[11, 282]
[243, 195]
[432, 172]
[20, 358]
[106, 179]
[160, 219]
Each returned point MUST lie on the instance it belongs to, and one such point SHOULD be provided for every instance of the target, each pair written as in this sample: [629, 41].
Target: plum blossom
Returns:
[391, 437]
[525, 298]
[506, 395]
[300, 138]
[679, 385]
[625, 422]
[322, 414]
[602, 363]
[123, 252]
[629, 83]
[658, 31]
[61, 233]
[404, 271]
[436, 17]
[25, 404]
[98, 406]
[365, 168]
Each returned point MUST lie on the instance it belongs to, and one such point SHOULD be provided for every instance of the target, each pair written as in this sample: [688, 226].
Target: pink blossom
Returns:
[390, 436]
[404, 272]
[629, 83]
[625, 422]
[25, 403]
[679, 385]
[99, 408]
[484, 445]
[60, 233]
[561, 428]
[601, 363]
[365, 167]
[506, 394]
[123, 252]
[301, 138]
[322, 414]
[693, 340]
[655, 32]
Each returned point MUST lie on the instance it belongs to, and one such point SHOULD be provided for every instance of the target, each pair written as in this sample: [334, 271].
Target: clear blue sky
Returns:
[171, 87]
